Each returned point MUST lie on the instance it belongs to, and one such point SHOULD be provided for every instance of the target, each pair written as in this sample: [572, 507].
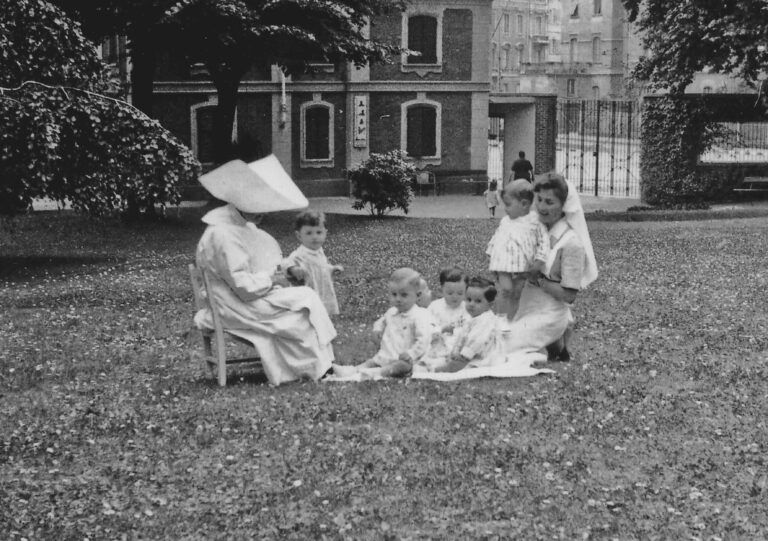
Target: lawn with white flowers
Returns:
[657, 429]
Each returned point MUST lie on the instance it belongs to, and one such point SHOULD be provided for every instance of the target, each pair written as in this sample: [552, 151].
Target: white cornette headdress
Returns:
[260, 186]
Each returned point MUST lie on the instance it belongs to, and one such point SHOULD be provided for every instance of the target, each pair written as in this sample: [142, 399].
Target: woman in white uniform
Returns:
[288, 326]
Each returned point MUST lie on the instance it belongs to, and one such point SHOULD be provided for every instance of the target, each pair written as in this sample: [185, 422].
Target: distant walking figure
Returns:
[522, 168]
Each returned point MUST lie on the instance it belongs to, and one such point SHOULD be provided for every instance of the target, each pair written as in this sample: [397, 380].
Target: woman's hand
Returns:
[557, 291]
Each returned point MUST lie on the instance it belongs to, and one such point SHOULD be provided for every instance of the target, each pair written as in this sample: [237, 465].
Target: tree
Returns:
[230, 36]
[688, 36]
[62, 136]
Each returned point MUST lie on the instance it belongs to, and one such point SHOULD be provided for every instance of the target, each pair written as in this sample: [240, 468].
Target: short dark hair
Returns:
[313, 218]
[489, 290]
[452, 274]
[521, 154]
[552, 181]
[493, 185]
[520, 189]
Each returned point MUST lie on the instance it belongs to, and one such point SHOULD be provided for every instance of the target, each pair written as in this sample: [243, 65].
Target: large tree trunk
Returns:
[226, 87]
[144, 59]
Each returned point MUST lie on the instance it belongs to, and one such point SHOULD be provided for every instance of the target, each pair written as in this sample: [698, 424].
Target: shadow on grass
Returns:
[26, 265]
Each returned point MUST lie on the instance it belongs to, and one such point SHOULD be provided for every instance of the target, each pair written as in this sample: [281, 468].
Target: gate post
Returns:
[597, 149]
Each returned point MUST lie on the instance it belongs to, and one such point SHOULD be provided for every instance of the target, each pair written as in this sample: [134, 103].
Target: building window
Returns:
[317, 141]
[571, 87]
[506, 23]
[201, 119]
[555, 46]
[421, 130]
[539, 26]
[575, 12]
[596, 92]
[422, 37]
[507, 59]
[541, 53]
[520, 56]
[494, 56]
[598, 7]
[422, 33]
[572, 50]
[707, 89]
[596, 50]
[506, 87]
[520, 24]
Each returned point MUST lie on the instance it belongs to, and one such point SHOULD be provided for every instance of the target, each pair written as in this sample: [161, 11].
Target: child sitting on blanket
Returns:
[449, 312]
[519, 247]
[476, 340]
[406, 330]
[308, 263]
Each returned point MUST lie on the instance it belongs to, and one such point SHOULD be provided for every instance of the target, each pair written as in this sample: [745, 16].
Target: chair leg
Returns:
[221, 355]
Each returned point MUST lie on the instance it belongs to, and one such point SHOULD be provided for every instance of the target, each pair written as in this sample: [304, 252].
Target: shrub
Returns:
[382, 183]
[676, 130]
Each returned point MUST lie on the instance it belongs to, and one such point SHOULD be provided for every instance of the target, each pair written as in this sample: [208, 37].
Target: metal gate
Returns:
[598, 146]
[496, 148]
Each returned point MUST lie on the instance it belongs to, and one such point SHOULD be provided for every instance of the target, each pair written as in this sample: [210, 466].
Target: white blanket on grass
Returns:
[515, 365]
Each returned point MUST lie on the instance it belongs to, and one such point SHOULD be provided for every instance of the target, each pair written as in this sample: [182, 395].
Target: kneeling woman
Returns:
[544, 312]
[288, 326]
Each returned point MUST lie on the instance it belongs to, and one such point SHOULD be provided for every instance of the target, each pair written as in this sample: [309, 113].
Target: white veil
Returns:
[574, 216]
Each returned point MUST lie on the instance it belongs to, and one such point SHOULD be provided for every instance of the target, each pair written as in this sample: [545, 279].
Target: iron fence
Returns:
[741, 143]
[598, 146]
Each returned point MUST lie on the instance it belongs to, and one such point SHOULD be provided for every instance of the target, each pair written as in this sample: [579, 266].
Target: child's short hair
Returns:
[489, 290]
[408, 276]
[312, 218]
[552, 181]
[452, 274]
[493, 185]
[519, 189]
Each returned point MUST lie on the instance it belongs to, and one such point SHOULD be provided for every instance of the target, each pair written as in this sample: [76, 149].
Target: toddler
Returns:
[518, 248]
[476, 340]
[492, 197]
[449, 312]
[406, 330]
[307, 264]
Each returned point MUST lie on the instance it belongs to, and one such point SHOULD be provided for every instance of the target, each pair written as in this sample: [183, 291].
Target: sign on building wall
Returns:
[361, 121]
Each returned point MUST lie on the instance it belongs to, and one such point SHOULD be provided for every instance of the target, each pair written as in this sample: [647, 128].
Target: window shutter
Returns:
[422, 129]
[422, 37]
[317, 136]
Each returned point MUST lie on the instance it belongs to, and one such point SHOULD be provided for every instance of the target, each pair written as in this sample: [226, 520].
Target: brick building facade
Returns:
[434, 106]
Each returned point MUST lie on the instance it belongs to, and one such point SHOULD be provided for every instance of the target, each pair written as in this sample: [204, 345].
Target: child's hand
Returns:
[337, 269]
[296, 274]
[405, 357]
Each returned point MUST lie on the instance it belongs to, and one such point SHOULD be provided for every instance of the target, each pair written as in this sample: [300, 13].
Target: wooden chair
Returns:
[426, 180]
[218, 362]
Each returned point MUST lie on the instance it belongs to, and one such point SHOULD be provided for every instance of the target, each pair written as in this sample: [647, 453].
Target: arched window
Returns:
[597, 7]
[595, 92]
[421, 129]
[507, 59]
[707, 90]
[317, 140]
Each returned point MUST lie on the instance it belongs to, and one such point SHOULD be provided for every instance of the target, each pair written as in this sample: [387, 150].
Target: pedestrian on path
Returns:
[522, 168]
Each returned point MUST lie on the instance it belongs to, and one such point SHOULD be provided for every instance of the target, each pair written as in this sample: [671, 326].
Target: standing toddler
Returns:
[519, 246]
[308, 264]
[492, 197]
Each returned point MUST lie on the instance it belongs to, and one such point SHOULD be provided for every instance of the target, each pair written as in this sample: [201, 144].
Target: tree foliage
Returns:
[62, 136]
[383, 183]
[687, 36]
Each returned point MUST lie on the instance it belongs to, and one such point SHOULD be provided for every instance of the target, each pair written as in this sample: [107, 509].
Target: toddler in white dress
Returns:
[308, 264]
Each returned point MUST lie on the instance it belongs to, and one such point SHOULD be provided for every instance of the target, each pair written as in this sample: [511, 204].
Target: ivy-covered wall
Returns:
[676, 131]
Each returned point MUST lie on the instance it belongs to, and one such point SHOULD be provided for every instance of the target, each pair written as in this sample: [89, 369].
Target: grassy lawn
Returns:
[109, 431]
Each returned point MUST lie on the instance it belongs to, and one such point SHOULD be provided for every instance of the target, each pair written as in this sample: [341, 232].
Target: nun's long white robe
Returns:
[289, 327]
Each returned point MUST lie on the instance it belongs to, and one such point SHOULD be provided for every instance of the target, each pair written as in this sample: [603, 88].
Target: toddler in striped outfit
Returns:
[518, 248]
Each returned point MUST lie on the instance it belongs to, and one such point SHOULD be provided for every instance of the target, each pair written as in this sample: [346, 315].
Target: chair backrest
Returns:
[425, 177]
[217, 326]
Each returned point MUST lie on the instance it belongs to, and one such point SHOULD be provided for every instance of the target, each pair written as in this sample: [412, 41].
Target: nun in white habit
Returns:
[288, 326]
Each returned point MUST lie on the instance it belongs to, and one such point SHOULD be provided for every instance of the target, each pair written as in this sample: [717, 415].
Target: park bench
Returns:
[217, 362]
[753, 184]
